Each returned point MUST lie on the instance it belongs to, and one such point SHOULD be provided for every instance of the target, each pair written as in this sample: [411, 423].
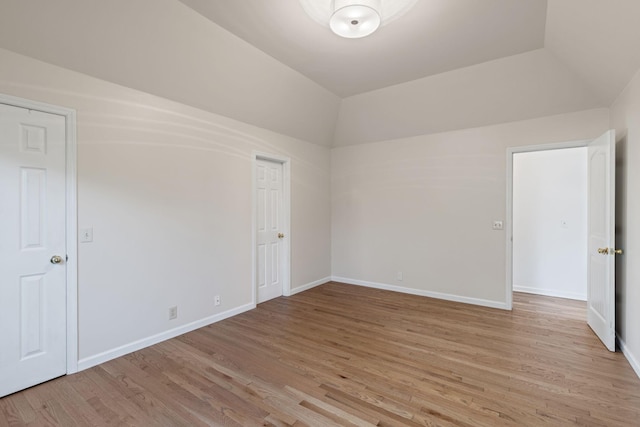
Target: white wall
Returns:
[550, 223]
[625, 119]
[167, 189]
[425, 205]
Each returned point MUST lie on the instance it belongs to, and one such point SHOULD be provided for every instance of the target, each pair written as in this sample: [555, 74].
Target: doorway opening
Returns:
[550, 223]
[512, 155]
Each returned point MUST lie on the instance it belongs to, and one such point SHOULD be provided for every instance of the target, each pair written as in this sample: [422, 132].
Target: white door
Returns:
[270, 215]
[32, 225]
[601, 239]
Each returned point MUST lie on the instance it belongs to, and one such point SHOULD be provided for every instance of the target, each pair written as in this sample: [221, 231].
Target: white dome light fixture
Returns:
[355, 18]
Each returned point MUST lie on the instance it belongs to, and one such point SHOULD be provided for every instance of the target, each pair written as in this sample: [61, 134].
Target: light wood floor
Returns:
[347, 355]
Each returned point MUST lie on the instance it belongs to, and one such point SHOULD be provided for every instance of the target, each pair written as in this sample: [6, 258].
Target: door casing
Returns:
[286, 242]
[71, 221]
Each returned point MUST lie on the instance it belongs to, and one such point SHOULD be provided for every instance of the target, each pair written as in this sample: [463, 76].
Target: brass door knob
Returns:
[603, 251]
[618, 251]
[280, 236]
[56, 259]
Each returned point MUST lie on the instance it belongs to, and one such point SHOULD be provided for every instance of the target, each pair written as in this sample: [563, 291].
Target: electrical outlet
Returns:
[399, 276]
[497, 225]
[173, 312]
[216, 300]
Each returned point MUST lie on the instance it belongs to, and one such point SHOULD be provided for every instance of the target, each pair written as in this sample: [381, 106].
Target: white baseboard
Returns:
[97, 359]
[430, 294]
[551, 293]
[633, 361]
[308, 286]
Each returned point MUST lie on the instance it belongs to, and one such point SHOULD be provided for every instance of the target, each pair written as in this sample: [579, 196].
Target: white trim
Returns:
[254, 230]
[72, 246]
[423, 293]
[310, 285]
[89, 362]
[71, 219]
[509, 198]
[633, 361]
[551, 293]
[286, 190]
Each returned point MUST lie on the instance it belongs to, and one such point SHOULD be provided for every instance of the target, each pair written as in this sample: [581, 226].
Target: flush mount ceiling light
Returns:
[355, 18]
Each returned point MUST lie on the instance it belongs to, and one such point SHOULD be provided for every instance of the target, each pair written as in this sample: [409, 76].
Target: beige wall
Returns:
[625, 119]
[167, 190]
[425, 206]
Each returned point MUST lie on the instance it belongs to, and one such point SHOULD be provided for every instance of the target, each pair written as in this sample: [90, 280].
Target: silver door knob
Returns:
[56, 259]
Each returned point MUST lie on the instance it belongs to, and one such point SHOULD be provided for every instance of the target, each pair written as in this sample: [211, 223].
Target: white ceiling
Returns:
[435, 36]
[599, 40]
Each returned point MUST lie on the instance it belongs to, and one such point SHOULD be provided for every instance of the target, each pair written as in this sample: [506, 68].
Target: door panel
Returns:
[32, 226]
[269, 228]
[275, 263]
[32, 204]
[262, 265]
[601, 239]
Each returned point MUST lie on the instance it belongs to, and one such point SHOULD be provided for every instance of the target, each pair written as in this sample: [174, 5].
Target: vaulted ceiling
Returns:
[447, 64]
[598, 40]
[436, 36]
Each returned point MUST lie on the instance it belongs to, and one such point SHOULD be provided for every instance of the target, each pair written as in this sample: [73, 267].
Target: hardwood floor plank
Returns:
[352, 356]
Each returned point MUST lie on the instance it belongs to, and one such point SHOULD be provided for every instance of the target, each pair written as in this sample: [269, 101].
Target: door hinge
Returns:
[66, 258]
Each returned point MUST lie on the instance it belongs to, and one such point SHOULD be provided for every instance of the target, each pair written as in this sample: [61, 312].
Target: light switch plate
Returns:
[86, 235]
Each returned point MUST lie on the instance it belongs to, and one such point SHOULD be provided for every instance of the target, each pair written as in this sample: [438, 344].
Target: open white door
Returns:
[601, 239]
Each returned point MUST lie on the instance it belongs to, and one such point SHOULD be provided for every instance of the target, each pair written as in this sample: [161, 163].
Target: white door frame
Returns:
[71, 218]
[509, 219]
[286, 202]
